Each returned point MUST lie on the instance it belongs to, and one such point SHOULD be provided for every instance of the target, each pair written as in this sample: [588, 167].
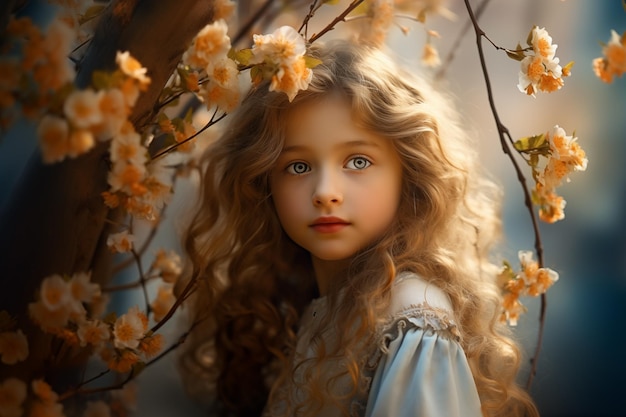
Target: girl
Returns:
[341, 250]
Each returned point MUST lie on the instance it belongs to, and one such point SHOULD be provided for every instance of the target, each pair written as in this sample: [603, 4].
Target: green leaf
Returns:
[189, 115]
[162, 117]
[311, 62]
[533, 162]
[331, 2]
[362, 8]
[421, 16]
[167, 140]
[517, 55]
[179, 124]
[243, 56]
[529, 39]
[101, 80]
[256, 75]
[530, 143]
[110, 318]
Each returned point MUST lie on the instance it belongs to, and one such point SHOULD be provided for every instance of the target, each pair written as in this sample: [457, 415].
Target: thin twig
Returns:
[457, 42]
[305, 23]
[143, 280]
[187, 291]
[503, 133]
[176, 145]
[181, 339]
[340, 18]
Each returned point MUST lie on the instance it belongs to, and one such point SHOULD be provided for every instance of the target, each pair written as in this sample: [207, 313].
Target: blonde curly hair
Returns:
[254, 282]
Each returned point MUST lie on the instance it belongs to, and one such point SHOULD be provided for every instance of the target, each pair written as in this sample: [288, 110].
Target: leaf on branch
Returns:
[179, 124]
[242, 56]
[361, 9]
[421, 16]
[102, 80]
[331, 2]
[189, 116]
[531, 144]
[110, 318]
[167, 140]
[256, 75]
[567, 69]
[533, 162]
[529, 38]
[517, 54]
[311, 62]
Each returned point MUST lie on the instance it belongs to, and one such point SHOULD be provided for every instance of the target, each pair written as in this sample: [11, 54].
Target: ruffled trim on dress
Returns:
[417, 316]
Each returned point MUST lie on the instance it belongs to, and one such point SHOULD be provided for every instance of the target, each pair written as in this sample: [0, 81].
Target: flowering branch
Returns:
[176, 145]
[503, 133]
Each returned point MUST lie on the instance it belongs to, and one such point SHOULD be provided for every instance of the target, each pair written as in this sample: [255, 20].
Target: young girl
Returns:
[341, 249]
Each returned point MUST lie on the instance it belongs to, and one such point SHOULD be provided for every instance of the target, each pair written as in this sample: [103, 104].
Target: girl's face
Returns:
[336, 187]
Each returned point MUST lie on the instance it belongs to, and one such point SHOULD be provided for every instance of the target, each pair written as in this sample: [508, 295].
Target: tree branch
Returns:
[503, 133]
[55, 221]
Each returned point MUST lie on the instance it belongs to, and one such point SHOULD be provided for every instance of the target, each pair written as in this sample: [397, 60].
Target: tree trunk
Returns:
[55, 221]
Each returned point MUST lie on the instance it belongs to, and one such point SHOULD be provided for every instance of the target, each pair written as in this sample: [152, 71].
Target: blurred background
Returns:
[582, 366]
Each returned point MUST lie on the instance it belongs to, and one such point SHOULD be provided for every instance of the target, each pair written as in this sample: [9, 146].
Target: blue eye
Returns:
[358, 163]
[298, 168]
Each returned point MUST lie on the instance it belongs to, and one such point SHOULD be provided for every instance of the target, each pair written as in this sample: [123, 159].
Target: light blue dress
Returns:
[419, 368]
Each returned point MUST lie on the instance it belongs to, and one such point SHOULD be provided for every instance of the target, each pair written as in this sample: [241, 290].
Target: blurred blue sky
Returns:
[582, 370]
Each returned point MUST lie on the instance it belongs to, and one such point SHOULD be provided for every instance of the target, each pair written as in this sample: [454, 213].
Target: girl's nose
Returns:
[327, 190]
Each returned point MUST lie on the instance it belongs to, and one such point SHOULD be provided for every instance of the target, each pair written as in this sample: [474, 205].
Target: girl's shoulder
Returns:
[410, 290]
[418, 304]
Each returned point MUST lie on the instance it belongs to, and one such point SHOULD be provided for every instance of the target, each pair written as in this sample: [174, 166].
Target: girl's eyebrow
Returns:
[347, 144]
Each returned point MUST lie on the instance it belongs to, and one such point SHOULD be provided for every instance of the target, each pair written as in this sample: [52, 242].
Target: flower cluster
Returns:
[168, 266]
[39, 399]
[72, 309]
[140, 186]
[92, 114]
[540, 69]
[613, 63]
[40, 75]
[60, 308]
[561, 155]
[14, 393]
[280, 56]
[66, 307]
[208, 55]
[381, 15]
[531, 281]
[378, 16]
[13, 346]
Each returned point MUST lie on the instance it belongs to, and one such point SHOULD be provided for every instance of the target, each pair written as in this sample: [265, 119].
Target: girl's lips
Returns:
[328, 227]
[328, 224]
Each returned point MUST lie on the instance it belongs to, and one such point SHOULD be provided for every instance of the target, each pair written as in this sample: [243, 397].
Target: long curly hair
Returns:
[253, 282]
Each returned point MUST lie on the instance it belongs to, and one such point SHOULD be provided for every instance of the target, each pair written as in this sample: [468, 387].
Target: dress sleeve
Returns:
[421, 370]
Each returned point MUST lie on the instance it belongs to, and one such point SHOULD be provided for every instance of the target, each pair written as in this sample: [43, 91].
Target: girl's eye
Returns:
[358, 163]
[298, 168]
